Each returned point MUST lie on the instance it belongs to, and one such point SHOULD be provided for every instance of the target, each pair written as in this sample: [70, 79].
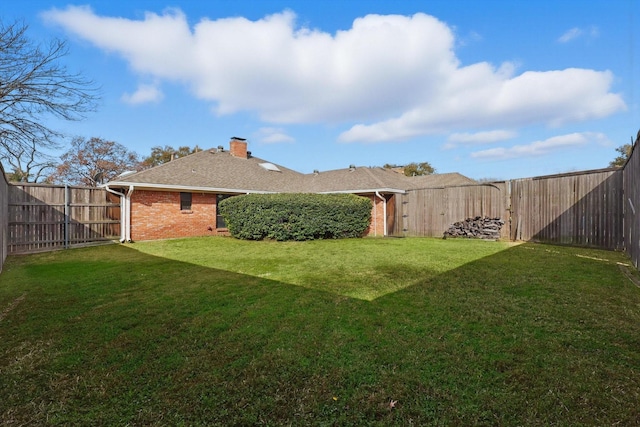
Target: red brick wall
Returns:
[376, 227]
[157, 215]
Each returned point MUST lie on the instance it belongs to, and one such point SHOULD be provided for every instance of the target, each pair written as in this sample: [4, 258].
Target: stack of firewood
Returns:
[476, 228]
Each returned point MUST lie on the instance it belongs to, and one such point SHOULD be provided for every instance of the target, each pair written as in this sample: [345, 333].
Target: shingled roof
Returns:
[355, 180]
[439, 180]
[216, 170]
[220, 171]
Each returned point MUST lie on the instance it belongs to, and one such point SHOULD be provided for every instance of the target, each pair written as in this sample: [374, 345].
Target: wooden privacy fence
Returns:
[582, 209]
[47, 217]
[4, 207]
[631, 204]
[430, 211]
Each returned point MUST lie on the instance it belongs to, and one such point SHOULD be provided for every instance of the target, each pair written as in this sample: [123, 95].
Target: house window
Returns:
[185, 201]
[220, 223]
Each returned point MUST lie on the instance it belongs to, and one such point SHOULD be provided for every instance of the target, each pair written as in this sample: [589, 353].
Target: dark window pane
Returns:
[185, 201]
[220, 223]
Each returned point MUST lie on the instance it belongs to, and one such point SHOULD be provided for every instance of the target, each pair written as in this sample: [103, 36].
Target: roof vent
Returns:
[126, 173]
[269, 166]
[220, 148]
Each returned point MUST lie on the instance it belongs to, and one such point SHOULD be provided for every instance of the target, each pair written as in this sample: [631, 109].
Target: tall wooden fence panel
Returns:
[631, 205]
[4, 217]
[583, 209]
[430, 211]
[46, 217]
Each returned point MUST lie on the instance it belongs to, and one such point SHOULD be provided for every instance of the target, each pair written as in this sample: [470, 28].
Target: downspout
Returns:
[125, 213]
[128, 212]
[384, 212]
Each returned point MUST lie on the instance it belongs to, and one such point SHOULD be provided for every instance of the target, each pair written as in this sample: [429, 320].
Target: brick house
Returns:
[180, 198]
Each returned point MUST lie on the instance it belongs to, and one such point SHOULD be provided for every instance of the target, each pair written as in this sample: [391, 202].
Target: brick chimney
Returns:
[238, 147]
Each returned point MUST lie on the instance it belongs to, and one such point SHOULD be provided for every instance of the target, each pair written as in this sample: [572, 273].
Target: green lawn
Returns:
[216, 331]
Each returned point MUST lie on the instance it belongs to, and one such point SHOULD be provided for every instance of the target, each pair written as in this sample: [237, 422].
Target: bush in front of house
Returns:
[296, 216]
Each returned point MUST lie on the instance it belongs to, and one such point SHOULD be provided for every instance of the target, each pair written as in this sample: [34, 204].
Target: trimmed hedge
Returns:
[296, 216]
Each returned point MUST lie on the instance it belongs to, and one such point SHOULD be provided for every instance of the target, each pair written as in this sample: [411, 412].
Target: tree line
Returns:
[94, 161]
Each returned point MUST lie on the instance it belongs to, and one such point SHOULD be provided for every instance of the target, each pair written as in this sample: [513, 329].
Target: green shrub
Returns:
[296, 216]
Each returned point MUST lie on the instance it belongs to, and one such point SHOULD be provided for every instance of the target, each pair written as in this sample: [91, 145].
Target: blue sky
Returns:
[491, 89]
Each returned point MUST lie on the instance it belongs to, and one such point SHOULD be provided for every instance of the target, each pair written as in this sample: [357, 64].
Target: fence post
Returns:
[67, 212]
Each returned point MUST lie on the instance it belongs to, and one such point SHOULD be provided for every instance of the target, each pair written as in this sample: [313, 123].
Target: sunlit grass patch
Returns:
[364, 269]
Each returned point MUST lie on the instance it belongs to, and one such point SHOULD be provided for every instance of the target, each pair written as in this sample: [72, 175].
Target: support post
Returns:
[67, 212]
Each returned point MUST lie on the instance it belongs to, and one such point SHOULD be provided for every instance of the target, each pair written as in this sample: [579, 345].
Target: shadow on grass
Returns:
[530, 335]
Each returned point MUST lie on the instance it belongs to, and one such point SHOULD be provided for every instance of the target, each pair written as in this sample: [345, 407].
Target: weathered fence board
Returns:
[46, 217]
[582, 209]
[631, 205]
[4, 223]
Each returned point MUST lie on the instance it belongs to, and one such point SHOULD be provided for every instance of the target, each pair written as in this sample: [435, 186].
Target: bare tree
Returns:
[94, 161]
[27, 164]
[36, 87]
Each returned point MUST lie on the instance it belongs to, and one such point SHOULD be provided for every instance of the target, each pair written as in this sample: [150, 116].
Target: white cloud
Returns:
[570, 35]
[144, 94]
[575, 33]
[540, 148]
[394, 76]
[478, 138]
[269, 135]
[479, 97]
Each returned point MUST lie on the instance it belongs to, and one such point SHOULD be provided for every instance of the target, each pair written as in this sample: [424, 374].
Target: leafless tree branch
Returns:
[34, 87]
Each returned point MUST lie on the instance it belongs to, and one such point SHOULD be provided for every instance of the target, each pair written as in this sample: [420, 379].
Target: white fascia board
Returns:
[170, 187]
[379, 190]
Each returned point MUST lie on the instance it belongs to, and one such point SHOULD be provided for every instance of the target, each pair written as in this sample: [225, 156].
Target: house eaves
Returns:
[169, 187]
[365, 191]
